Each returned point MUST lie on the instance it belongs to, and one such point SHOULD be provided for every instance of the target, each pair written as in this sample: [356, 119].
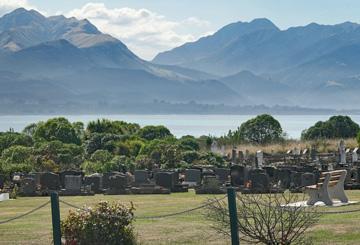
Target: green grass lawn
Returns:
[191, 228]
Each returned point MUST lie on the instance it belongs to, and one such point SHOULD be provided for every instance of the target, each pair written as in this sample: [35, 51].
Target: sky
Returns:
[148, 27]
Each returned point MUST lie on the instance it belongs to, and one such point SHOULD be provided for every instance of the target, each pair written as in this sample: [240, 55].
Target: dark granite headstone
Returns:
[239, 175]
[270, 171]
[295, 179]
[165, 179]
[141, 177]
[193, 175]
[283, 176]
[28, 187]
[259, 180]
[68, 172]
[50, 181]
[222, 174]
[94, 181]
[308, 179]
[73, 183]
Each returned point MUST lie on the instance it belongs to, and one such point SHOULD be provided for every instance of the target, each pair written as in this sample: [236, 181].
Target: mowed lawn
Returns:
[190, 228]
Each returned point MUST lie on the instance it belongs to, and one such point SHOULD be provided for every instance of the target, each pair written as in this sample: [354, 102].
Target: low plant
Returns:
[106, 223]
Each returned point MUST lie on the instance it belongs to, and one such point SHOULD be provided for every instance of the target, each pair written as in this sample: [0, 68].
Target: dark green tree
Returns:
[57, 129]
[262, 129]
[154, 132]
[335, 127]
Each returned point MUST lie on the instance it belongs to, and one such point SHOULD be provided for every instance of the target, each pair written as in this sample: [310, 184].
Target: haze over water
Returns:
[196, 125]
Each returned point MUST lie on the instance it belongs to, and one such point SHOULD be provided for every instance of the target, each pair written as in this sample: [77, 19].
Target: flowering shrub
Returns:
[104, 224]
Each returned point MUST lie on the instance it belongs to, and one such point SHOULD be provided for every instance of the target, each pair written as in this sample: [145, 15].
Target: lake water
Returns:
[180, 125]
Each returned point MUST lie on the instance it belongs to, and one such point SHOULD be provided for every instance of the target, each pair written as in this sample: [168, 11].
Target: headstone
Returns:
[289, 152]
[141, 177]
[210, 185]
[295, 179]
[73, 183]
[308, 179]
[62, 175]
[271, 172]
[305, 151]
[354, 155]
[94, 181]
[49, 181]
[283, 177]
[222, 174]
[259, 180]
[223, 150]
[165, 179]
[259, 159]
[239, 175]
[342, 152]
[118, 184]
[233, 156]
[193, 176]
[313, 153]
[28, 187]
[241, 157]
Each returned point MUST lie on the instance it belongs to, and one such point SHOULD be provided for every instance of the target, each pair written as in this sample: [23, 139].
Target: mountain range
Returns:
[52, 61]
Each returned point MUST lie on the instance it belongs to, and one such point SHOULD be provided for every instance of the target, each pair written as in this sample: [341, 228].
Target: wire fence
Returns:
[24, 214]
[160, 216]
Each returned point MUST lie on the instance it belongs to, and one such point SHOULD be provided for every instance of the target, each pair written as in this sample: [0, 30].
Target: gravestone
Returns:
[305, 151]
[271, 172]
[192, 177]
[297, 151]
[165, 179]
[354, 155]
[50, 181]
[342, 152]
[73, 183]
[210, 185]
[118, 184]
[295, 180]
[214, 147]
[141, 177]
[94, 181]
[106, 177]
[284, 178]
[28, 187]
[308, 179]
[241, 157]
[259, 181]
[313, 153]
[239, 175]
[233, 156]
[222, 174]
[259, 159]
[64, 173]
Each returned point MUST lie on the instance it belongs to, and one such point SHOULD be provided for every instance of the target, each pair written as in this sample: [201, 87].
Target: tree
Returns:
[111, 127]
[9, 139]
[264, 218]
[154, 132]
[262, 129]
[57, 129]
[335, 127]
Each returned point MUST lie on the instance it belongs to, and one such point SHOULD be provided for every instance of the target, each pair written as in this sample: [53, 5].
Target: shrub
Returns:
[105, 224]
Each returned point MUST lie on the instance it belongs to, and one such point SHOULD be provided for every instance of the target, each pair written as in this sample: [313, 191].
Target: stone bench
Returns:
[330, 186]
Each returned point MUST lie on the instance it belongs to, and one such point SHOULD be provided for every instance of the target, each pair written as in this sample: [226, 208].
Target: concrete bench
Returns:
[330, 186]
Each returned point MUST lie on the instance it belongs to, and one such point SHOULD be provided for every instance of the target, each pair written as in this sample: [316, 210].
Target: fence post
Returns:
[233, 216]
[55, 213]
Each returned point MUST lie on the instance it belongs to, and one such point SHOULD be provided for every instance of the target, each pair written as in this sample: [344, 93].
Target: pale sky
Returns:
[151, 26]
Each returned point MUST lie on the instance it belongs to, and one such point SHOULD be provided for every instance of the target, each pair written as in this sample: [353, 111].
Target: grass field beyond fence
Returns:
[191, 228]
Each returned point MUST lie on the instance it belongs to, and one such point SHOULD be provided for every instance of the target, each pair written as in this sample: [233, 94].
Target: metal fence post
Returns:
[233, 216]
[55, 213]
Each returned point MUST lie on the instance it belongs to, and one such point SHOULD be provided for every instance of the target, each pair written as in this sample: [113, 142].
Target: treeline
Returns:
[265, 129]
[100, 146]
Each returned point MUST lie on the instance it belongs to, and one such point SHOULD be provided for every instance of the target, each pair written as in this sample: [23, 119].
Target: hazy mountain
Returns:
[86, 66]
[261, 50]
